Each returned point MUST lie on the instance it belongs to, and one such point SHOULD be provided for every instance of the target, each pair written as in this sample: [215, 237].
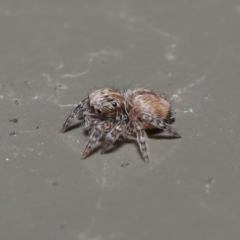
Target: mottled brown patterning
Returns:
[109, 113]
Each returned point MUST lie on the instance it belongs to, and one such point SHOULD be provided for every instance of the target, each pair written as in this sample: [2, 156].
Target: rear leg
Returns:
[159, 123]
[141, 140]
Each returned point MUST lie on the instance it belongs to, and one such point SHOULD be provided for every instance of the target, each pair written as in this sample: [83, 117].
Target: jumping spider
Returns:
[108, 113]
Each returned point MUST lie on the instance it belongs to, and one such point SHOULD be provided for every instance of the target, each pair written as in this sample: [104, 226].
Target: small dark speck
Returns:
[37, 127]
[124, 164]
[13, 134]
[54, 184]
[14, 120]
[210, 181]
[16, 102]
[62, 226]
[27, 83]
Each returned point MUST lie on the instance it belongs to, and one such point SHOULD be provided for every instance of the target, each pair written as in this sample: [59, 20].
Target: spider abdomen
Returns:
[151, 103]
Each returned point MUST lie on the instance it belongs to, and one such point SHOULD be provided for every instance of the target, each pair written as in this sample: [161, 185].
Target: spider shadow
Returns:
[112, 148]
[77, 125]
[152, 134]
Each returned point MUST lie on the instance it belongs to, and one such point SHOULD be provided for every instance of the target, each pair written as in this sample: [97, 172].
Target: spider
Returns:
[108, 113]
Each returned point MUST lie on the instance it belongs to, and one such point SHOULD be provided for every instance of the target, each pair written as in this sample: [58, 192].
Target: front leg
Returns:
[113, 135]
[97, 132]
[77, 113]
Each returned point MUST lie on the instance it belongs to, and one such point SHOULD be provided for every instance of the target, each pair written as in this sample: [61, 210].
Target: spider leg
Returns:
[90, 122]
[77, 113]
[113, 135]
[141, 140]
[97, 132]
[159, 122]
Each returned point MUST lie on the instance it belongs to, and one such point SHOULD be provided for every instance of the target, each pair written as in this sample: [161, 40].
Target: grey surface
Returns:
[53, 52]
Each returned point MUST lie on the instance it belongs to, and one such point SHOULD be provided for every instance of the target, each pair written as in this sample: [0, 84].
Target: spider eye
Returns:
[99, 111]
[114, 104]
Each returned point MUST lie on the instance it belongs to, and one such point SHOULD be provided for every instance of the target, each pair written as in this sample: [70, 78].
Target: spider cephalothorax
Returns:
[108, 113]
[106, 102]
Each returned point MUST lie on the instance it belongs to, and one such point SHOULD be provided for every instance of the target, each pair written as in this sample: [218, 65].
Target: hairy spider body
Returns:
[108, 114]
[150, 103]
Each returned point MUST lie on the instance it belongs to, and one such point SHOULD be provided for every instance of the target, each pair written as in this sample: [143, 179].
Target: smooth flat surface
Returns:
[53, 53]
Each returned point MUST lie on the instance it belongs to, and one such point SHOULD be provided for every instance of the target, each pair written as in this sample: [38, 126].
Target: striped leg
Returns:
[96, 134]
[159, 123]
[77, 113]
[113, 135]
[141, 140]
